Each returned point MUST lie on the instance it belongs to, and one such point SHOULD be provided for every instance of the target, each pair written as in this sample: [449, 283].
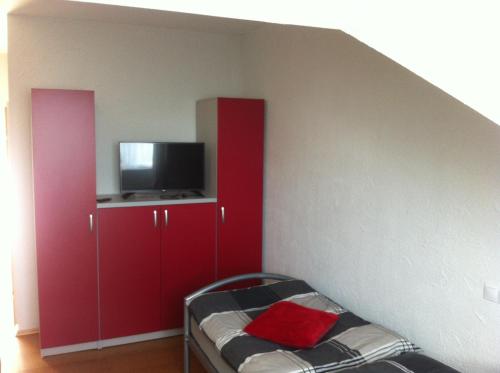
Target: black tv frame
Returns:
[128, 192]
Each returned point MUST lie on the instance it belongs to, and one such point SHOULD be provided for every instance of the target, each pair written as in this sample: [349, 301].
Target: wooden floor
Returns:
[162, 355]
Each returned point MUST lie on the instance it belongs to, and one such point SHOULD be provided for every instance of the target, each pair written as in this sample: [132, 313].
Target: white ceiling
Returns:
[123, 14]
[450, 43]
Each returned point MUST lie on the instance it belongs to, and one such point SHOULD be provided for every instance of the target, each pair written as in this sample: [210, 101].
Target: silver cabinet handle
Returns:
[223, 215]
[91, 222]
[165, 212]
[155, 218]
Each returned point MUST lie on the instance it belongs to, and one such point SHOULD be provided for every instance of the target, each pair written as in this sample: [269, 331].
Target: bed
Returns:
[214, 322]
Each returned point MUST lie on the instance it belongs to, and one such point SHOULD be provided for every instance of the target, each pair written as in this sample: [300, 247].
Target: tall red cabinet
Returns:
[233, 132]
[65, 187]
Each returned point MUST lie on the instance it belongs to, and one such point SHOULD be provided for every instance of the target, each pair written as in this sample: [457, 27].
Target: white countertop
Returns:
[149, 200]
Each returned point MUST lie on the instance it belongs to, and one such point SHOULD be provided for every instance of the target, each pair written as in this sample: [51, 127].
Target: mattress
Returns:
[208, 348]
[353, 344]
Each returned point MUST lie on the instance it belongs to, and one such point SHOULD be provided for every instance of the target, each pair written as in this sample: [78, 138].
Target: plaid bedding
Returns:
[405, 363]
[352, 342]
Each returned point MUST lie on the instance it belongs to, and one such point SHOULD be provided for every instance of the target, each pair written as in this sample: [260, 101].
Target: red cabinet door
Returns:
[129, 271]
[65, 191]
[188, 256]
[239, 185]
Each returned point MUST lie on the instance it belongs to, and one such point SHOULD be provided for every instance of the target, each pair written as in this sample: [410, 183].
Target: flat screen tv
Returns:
[161, 166]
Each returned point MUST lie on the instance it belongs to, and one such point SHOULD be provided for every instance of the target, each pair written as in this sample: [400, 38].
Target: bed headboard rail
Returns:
[213, 286]
[233, 279]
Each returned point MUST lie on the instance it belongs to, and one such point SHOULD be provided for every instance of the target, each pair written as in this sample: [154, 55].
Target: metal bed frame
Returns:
[191, 343]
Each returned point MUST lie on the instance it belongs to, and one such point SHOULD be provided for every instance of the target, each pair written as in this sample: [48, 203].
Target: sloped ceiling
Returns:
[451, 43]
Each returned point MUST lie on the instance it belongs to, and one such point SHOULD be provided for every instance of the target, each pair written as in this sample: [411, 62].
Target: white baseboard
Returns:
[138, 338]
[20, 333]
[110, 342]
[68, 348]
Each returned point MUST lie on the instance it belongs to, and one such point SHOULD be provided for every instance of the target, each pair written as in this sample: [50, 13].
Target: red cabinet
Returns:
[240, 150]
[150, 258]
[129, 271]
[188, 256]
[65, 188]
[233, 132]
[132, 279]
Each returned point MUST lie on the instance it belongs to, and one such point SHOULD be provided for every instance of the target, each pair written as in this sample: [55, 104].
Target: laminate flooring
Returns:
[161, 355]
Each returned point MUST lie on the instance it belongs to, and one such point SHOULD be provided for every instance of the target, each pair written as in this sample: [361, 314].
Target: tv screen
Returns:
[161, 166]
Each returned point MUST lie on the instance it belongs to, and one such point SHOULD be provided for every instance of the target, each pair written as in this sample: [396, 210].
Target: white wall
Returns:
[146, 81]
[3, 79]
[380, 190]
[6, 314]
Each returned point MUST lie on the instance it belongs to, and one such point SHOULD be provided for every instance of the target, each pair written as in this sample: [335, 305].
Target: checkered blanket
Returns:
[352, 342]
[405, 363]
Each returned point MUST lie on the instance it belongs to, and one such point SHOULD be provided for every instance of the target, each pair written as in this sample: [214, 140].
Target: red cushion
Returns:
[290, 324]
